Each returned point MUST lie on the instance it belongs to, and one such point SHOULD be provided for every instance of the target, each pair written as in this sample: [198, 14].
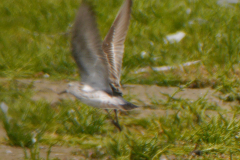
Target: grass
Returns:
[189, 129]
[34, 41]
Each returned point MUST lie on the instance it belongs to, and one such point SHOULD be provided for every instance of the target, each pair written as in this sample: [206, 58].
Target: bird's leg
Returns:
[109, 115]
[114, 122]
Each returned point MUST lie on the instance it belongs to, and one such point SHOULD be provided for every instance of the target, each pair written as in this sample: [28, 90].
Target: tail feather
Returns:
[128, 106]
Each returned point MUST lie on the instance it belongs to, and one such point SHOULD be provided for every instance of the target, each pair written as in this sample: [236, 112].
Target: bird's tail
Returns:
[128, 106]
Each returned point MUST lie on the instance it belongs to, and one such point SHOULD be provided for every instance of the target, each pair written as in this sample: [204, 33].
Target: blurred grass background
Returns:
[34, 40]
[35, 36]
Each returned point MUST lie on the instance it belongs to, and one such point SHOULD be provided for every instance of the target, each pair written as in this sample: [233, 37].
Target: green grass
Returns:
[188, 129]
[34, 40]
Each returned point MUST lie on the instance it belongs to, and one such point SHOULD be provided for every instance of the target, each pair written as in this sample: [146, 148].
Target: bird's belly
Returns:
[92, 102]
[99, 99]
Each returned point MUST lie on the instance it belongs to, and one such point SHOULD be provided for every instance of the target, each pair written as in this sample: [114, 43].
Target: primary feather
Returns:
[113, 44]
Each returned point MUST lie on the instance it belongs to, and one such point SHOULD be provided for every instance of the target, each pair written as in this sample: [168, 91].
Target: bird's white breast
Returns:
[87, 88]
[95, 98]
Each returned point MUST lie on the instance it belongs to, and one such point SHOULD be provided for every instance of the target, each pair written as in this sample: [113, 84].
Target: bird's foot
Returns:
[116, 124]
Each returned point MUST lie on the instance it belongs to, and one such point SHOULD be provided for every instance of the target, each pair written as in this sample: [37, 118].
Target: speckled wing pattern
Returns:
[113, 44]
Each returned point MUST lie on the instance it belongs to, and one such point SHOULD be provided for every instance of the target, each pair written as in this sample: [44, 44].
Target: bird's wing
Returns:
[113, 44]
[87, 51]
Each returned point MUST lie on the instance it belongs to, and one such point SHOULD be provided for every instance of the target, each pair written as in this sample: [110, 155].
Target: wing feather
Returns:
[87, 51]
[113, 44]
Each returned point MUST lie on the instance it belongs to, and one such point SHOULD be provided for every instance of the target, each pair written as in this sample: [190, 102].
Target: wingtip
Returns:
[131, 3]
[127, 4]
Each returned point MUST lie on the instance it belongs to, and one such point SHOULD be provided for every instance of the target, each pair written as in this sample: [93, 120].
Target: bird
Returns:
[100, 63]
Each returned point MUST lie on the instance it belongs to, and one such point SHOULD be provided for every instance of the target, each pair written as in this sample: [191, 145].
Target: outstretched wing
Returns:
[87, 51]
[113, 44]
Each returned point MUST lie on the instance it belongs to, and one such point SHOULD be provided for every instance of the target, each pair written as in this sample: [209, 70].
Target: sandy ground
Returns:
[143, 95]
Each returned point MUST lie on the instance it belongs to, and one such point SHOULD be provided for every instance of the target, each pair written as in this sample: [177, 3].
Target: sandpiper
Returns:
[100, 63]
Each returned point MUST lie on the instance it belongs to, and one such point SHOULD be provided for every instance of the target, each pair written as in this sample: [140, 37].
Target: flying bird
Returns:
[100, 63]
